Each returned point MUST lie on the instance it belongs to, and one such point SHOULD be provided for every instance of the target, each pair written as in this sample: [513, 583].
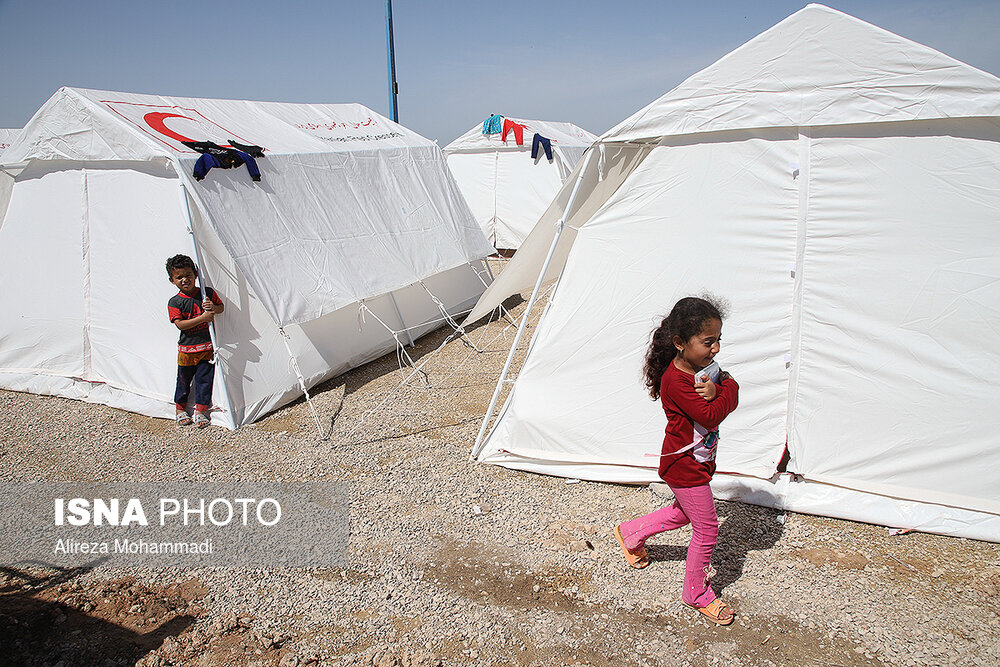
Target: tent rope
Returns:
[302, 382]
[432, 355]
[429, 358]
[400, 348]
[415, 371]
[503, 333]
[448, 318]
[479, 274]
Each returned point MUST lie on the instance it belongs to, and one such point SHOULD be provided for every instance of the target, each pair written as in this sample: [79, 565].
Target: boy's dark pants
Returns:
[203, 375]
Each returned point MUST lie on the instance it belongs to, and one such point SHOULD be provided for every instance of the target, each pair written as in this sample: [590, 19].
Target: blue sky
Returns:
[592, 63]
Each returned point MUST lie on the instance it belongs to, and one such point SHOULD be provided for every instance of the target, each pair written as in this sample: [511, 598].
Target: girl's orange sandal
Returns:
[717, 611]
[638, 558]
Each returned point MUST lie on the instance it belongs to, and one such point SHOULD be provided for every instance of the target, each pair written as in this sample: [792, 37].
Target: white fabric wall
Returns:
[324, 230]
[7, 137]
[525, 188]
[133, 225]
[864, 259]
[42, 329]
[92, 325]
[716, 216]
[900, 351]
[507, 190]
[476, 176]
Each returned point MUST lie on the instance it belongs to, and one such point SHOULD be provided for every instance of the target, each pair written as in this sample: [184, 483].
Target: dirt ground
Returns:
[533, 579]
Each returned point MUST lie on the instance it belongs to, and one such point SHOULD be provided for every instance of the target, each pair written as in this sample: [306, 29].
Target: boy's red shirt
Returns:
[183, 306]
[683, 406]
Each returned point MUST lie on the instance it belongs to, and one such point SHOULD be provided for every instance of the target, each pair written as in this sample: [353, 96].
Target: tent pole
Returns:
[531, 302]
[211, 325]
[391, 58]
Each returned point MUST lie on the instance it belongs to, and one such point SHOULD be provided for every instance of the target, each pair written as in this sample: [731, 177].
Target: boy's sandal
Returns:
[716, 611]
[201, 420]
[638, 558]
[182, 418]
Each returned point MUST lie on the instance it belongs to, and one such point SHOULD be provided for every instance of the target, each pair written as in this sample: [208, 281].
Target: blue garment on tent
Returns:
[493, 124]
[207, 162]
[545, 144]
[251, 165]
[204, 165]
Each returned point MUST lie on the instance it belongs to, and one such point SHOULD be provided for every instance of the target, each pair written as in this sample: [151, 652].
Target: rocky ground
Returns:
[532, 577]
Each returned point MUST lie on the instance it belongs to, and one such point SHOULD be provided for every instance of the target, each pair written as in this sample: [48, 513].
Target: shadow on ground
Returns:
[744, 528]
[395, 363]
[45, 620]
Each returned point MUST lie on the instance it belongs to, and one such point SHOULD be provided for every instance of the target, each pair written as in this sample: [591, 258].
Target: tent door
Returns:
[133, 225]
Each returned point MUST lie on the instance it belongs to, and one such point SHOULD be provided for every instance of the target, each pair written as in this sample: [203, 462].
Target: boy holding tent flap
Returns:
[191, 313]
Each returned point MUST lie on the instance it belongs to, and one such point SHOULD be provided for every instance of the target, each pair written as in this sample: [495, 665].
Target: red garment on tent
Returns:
[518, 128]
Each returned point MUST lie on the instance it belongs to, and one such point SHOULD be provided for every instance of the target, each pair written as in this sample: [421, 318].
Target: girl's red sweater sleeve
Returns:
[707, 413]
[683, 406]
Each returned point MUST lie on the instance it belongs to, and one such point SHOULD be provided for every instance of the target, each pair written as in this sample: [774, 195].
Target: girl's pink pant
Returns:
[693, 505]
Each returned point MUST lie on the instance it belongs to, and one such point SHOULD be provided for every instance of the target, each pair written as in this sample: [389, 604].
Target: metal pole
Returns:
[531, 302]
[391, 57]
[203, 279]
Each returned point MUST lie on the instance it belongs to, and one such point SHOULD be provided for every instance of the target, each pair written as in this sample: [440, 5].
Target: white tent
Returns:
[351, 209]
[505, 187]
[840, 186]
[7, 136]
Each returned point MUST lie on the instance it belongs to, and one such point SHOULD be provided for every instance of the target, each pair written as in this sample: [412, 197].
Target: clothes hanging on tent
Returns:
[493, 124]
[226, 156]
[546, 144]
[205, 163]
[251, 165]
[249, 149]
[221, 157]
[518, 128]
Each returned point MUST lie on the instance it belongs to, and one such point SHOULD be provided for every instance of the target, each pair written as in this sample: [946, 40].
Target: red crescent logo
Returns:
[155, 120]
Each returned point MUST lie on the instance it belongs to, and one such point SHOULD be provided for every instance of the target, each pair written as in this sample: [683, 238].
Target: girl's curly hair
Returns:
[687, 318]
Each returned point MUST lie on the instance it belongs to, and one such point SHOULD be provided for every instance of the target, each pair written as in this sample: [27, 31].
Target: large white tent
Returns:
[355, 236]
[505, 187]
[840, 186]
[7, 137]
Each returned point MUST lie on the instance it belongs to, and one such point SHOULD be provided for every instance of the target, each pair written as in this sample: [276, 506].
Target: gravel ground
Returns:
[536, 578]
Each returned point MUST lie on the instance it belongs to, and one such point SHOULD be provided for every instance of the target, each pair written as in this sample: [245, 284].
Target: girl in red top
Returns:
[687, 341]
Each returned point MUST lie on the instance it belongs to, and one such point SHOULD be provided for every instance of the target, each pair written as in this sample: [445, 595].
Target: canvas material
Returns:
[875, 267]
[114, 211]
[335, 178]
[507, 190]
[817, 67]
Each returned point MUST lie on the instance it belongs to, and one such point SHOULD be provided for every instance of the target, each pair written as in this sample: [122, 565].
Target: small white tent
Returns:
[505, 187]
[351, 209]
[838, 184]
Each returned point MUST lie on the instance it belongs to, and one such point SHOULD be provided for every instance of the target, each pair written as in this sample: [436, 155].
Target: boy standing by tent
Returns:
[191, 314]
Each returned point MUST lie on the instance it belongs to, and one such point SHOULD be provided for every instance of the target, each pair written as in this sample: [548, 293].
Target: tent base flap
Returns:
[796, 494]
[98, 393]
[783, 491]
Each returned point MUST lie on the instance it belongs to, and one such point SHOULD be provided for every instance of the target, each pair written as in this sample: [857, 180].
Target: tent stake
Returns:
[531, 302]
